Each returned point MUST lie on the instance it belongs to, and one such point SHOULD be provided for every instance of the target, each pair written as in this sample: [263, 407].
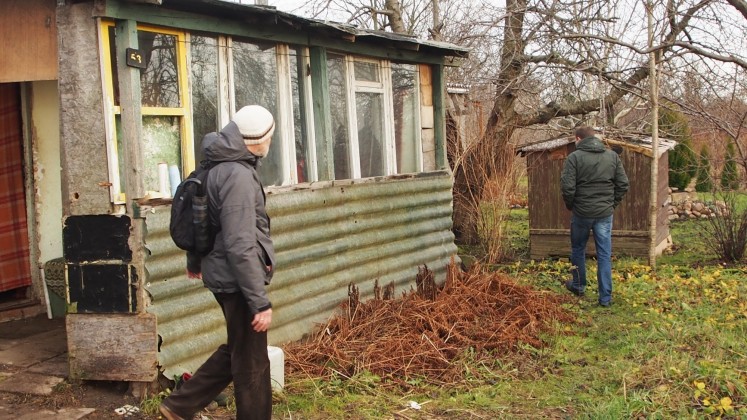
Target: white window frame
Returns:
[307, 118]
[384, 87]
[416, 119]
[284, 119]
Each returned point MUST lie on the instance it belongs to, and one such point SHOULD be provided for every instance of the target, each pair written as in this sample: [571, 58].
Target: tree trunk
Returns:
[488, 156]
[395, 16]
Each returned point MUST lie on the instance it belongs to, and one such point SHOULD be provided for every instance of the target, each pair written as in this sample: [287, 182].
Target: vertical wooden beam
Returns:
[132, 153]
[131, 116]
[439, 114]
[322, 117]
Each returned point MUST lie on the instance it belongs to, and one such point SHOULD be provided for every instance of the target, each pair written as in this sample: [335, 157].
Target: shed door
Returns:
[15, 271]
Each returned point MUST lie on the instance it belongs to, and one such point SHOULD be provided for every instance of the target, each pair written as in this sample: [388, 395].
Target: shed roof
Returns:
[269, 14]
[636, 142]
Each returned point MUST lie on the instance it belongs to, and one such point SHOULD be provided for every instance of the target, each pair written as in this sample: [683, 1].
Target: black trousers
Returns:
[242, 360]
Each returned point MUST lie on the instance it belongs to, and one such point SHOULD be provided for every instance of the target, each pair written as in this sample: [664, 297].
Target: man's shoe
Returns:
[168, 414]
[569, 286]
[605, 305]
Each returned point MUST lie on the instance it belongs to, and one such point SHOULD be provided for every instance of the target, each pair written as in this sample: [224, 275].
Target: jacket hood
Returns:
[591, 144]
[227, 146]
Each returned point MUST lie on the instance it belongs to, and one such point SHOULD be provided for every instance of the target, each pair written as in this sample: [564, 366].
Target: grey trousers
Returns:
[242, 360]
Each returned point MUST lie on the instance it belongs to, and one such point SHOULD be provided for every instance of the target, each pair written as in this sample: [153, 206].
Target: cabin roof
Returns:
[351, 33]
[636, 142]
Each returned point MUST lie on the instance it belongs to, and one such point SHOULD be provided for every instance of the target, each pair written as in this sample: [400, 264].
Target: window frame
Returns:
[383, 87]
[184, 112]
[285, 105]
[417, 117]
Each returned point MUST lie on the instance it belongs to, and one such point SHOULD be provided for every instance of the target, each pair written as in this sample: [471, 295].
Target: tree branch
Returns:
[740, 5]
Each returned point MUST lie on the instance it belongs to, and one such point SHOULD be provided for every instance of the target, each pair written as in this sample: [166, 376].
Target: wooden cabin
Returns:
[102, 94]
[549, 220]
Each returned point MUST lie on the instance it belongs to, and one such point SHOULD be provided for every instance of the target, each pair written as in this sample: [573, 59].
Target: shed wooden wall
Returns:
[549, 220]
[29, 40]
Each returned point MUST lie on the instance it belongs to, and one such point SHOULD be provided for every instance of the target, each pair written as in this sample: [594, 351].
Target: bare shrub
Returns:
[489, 205]
[725, 233]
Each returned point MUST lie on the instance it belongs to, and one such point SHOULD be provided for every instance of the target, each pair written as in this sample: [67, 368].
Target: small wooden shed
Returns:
[549, 220]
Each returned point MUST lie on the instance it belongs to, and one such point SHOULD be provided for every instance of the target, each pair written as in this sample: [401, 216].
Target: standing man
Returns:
[237, 270]
[593, 183]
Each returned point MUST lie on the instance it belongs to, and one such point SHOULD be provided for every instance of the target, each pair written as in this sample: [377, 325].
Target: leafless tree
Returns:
[549, 65]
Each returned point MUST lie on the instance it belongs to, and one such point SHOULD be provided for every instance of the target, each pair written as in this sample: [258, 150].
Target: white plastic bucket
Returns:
[277, 367]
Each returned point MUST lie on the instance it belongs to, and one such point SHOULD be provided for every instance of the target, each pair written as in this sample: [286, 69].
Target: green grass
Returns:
[671, 346]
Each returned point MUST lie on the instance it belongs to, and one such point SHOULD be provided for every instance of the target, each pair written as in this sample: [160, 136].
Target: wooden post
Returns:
[654, 199]
[439, 115]
[132, 154]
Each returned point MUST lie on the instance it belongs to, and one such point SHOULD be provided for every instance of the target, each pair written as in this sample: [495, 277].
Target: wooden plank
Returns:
[428, 141]
[112, 347]
[555, 245]
[429, 161]
[439, 115]
[129, 94]
[615, 233]
[28, 29]
[426, 85]
[426, 116]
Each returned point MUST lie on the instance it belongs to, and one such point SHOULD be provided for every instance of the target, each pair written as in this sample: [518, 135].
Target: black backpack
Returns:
[190, 222]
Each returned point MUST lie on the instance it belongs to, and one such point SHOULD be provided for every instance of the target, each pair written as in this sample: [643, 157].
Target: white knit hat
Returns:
[255, 124]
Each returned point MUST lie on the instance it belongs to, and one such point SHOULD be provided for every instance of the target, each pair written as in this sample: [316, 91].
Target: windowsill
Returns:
[153, 202]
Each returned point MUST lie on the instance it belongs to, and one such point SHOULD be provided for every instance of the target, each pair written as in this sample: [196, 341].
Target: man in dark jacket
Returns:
[593, 183]
[237, 270]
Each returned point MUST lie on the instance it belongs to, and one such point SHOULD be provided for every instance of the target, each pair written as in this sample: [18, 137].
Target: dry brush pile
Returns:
[425, 332]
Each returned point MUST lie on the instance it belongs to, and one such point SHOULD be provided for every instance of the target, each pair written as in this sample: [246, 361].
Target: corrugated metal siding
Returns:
[325, 238]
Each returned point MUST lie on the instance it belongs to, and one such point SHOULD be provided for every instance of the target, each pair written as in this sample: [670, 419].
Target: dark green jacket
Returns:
[593, 181]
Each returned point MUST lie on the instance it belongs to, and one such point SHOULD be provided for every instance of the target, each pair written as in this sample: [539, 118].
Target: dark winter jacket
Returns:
[593, 181]
[243, 249]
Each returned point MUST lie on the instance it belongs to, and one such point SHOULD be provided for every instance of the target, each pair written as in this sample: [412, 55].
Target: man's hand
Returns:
[262, 320]
[191, 275]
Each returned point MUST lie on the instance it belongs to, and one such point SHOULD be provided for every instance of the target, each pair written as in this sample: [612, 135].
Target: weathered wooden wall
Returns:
[28, 31]
[549, 220]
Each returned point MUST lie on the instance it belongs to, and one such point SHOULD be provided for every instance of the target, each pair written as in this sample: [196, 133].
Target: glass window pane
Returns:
[339, 110]
[161, 143]
[301, 136]
[204, 67]
[406, 111]
[255, 81]
[366, 71]
[369, 111]
[159, 81]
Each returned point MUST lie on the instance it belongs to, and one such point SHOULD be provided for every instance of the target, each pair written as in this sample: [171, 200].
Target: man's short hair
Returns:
[584, 132]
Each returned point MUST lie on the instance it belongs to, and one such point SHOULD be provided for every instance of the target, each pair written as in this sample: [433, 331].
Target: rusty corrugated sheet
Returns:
[326, 237]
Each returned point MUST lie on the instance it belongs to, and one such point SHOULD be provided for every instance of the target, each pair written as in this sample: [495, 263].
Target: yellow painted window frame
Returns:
[185, 129]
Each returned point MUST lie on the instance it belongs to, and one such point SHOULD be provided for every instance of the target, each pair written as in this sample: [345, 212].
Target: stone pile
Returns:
[689, 208]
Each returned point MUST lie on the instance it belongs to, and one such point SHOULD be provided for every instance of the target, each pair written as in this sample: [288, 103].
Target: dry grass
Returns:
[422, 334]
